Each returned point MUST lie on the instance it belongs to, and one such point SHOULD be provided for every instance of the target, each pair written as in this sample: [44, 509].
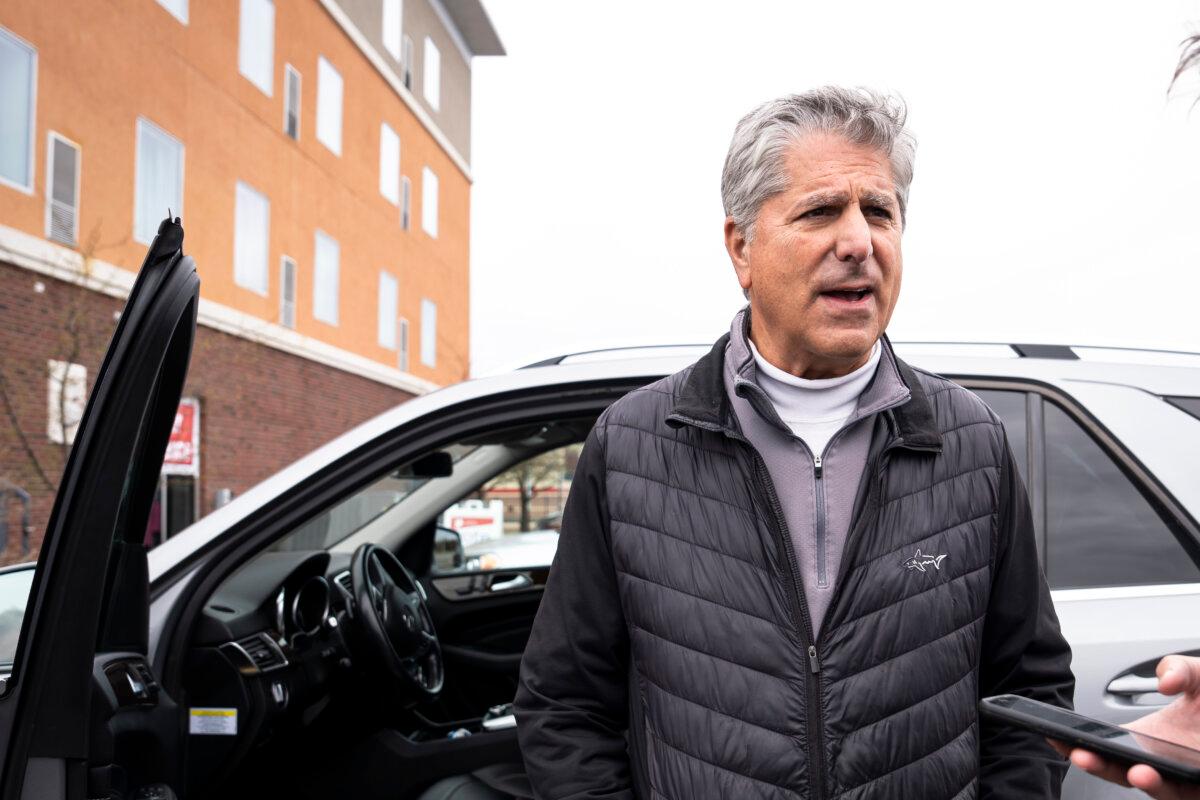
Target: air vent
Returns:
[263, 652]
[343, 580]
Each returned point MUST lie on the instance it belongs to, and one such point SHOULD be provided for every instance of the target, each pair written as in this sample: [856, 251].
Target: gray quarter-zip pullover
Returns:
[817, 490]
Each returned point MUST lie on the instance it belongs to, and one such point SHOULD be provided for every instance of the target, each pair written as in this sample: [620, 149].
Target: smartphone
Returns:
[1117, 744]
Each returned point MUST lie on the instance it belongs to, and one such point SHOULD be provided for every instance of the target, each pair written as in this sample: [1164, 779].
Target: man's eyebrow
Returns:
[818, 199]
[881, 199]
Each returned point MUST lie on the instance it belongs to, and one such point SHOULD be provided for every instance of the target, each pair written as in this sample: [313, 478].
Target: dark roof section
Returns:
[475, 27]
[1059, 351]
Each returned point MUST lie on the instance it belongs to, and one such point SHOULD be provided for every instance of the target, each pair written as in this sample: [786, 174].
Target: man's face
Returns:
[823, 268]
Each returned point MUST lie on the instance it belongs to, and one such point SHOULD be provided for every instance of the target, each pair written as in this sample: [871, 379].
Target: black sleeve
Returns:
[1024, 653]
[572, 700]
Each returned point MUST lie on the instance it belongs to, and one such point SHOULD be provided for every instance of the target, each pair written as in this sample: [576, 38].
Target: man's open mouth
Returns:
[849, 295]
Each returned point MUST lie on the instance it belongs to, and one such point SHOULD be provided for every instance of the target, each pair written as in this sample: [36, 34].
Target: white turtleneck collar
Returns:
[814, 409]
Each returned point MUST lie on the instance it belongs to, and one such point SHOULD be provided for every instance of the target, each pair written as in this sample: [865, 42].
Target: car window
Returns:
[14, 595]
[1101, 530]
[510, 521]
[1010, 407]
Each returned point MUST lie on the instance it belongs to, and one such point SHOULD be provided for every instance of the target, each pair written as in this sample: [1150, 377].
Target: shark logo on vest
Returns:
[921, 561]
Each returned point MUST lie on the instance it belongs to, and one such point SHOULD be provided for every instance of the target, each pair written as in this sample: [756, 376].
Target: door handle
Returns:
[1130, 685]
[519, 581]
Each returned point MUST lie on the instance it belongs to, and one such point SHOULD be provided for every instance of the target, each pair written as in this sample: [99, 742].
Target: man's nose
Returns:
[853, 237]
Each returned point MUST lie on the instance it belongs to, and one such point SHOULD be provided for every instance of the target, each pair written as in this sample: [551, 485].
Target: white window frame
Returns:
[317, 276]
[182, 18]
[288, 71]
[330, 137]
[248, 50]
[388, 309]
[406, 61]
[389, 163]
[66, 385]
[287, 304]
[393, 26]
[402, 344]
[431, 75]
[30, 165]
[137, 168]
[50, 137]
[430, 193]
[241, 272]
[428, 332]
[405, 203]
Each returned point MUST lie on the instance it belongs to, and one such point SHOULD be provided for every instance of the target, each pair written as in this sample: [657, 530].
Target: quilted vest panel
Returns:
[719, 650]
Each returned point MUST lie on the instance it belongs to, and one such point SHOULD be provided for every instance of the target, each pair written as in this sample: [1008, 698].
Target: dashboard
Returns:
[269, 650]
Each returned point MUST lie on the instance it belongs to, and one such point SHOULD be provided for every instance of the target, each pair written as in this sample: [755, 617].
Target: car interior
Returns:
[364, 653]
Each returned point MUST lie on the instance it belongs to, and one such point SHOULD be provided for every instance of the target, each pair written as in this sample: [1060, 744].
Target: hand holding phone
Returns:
[1115, 744]
[1179, 722]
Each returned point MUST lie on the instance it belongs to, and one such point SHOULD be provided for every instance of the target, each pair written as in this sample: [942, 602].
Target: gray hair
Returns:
[754, 165]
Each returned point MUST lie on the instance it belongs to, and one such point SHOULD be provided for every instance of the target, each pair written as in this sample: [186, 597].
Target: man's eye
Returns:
[815, 212]
[879, 211]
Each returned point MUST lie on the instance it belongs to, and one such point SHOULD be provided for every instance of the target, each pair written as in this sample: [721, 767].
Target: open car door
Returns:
[81, 714]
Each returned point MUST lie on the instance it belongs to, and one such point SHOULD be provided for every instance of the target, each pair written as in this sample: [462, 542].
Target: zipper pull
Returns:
[817, 465]
[814, 663]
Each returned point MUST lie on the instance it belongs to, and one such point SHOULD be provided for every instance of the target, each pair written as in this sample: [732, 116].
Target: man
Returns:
[1178, 722]
[792, 569]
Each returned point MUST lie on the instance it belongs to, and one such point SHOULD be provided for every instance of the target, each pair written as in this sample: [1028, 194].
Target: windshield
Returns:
[360, 509]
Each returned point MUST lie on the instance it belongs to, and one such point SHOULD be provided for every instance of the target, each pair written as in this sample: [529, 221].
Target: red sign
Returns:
[183, 448]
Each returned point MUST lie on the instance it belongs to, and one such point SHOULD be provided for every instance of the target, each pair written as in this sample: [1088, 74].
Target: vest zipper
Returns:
[822, 545]
[815, 726]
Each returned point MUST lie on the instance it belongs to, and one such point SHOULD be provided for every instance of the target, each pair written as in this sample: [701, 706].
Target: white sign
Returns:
[212, 721]
[475, 520]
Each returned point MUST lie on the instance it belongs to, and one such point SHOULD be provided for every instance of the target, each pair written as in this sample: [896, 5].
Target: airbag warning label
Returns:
[213, 721]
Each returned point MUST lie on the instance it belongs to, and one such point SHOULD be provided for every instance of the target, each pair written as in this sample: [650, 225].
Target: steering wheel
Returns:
[392, 616]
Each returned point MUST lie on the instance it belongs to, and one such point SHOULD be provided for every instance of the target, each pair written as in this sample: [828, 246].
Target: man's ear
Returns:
[737, 247]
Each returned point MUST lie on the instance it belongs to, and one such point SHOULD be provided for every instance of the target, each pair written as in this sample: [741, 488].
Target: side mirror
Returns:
[448, 552]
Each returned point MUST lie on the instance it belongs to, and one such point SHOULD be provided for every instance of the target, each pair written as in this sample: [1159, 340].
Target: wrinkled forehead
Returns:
[829, 162]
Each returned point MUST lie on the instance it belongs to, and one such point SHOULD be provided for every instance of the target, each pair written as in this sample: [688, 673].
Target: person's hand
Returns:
[1179, 722]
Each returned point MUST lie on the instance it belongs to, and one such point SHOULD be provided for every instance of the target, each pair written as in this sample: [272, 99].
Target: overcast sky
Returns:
[1057, 188]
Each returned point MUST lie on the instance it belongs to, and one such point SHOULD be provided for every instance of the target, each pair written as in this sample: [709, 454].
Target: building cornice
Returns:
[389, 75]
[61, 263]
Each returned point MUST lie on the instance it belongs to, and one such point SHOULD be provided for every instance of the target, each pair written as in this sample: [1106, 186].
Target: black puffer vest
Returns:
[732, 696]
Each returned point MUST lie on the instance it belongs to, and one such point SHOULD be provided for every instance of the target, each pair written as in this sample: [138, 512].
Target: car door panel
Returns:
[52, 710]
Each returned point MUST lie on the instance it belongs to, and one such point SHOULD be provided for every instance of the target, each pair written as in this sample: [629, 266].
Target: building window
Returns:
[251, 239]
[428, 332]
[329, 106]
[62, 190]
[406, 62]
[405, 203]
[433, 75]
[67, 397]
[18, 89]
[159, 182]
[391, 27]
[291, 102]
[389, 163]
[178, 9]
[429, 202]
[389, 295]
[402, 356]
[256, 43]
[325, 278]
[287, 293]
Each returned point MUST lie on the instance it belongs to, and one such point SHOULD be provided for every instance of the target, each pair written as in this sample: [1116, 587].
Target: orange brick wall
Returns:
[117, 60]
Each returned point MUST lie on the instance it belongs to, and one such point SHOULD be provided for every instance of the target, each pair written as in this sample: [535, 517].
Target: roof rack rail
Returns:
[556, 360]
[1059, 351]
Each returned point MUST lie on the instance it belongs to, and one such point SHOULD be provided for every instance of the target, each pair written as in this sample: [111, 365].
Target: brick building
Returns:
[318, 153]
